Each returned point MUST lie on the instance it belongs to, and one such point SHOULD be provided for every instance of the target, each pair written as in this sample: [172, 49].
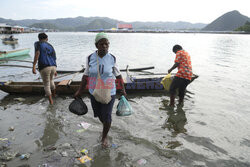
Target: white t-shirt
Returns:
[108, 71]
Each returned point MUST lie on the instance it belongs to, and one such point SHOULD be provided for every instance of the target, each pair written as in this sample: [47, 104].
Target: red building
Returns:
[124, 26]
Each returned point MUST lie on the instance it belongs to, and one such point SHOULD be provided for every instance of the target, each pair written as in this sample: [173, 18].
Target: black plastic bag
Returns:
[78, 107]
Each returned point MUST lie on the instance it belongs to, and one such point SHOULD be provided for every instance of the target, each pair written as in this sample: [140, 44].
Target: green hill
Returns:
[44, 26]
[227, 22]
[95, 24]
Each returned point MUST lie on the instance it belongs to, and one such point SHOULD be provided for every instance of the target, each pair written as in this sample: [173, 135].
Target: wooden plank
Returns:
[63, 83]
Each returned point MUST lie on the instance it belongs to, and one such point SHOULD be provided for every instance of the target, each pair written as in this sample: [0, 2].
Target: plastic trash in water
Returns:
[11, 128]
[114, 146]
[84, 151]
[4, 143]
[142, 161]
[84, 159]
[80, 130]
[20, 99]
[24, 156]
[3, 139]
[85, 125]
[64, 154]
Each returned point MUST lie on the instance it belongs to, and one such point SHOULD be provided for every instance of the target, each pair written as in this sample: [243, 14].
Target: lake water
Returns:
[211, 129]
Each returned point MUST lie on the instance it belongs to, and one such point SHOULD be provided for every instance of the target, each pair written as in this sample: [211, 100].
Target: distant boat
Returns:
[14, 53]
[9, 40]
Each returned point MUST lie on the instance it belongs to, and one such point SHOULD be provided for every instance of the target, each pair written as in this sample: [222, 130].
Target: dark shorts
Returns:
[180, 84]
[102, 111]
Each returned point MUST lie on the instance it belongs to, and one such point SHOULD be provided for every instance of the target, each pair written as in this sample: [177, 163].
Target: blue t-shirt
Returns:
[108, 71]
[47, 55]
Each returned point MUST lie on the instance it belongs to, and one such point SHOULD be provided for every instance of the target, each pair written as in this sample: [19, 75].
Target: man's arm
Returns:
[82, 86]
[120, 81]
[173, 67]
[37, 54]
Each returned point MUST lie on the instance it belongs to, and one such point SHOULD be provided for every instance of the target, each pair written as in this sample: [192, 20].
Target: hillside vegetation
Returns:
[245, 27]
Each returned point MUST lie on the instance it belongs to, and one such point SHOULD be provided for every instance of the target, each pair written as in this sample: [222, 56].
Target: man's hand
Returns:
[169, 71]
[123, 92]
[77, 94]
[34, 70]
[55, 74]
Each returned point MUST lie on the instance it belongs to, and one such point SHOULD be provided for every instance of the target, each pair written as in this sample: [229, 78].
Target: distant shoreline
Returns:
[169, 31]
[148, 31]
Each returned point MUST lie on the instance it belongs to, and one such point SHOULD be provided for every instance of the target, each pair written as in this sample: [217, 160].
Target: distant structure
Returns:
[124, 26]
[8, 29]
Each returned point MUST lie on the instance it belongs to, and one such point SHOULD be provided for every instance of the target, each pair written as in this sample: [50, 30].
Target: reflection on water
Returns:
[52, 127]
[13, 46]
[101, 158]
[176, 121]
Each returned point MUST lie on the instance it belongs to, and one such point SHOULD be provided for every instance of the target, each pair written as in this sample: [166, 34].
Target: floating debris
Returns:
[29, 132]
[3, 164]
[19, 99]
[80, 130]
[173, 144]
[64, 154]
[85, 125]
[7, 156]
[114, 146]
[3, 139]
[66, 146]
[84, 152]
[84, 159]
[11, 128]
[49, 148]
[142, 161]
[24, 156]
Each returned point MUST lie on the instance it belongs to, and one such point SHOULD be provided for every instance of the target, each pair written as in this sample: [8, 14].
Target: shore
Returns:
[170, 31]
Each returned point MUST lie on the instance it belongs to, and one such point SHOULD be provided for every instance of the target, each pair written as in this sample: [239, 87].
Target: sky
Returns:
[194, 11]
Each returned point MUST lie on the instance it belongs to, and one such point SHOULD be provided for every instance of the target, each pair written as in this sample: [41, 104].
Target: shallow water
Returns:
[211, 129]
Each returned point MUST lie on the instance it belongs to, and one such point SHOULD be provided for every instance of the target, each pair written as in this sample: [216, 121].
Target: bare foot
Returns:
[105, 142]
[171, 105]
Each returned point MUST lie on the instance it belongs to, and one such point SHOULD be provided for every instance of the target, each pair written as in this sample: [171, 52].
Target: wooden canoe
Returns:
[10, 40]
[14, 53]
[138, 85]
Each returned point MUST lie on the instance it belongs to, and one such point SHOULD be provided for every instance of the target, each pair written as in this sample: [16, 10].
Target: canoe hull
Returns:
[145, 85]
[10, 42]
[15, 53]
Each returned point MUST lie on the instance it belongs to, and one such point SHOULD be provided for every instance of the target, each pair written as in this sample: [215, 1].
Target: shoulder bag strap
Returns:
[98, 72]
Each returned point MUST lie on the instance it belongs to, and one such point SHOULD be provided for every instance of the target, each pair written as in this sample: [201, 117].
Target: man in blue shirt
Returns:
[46, 56]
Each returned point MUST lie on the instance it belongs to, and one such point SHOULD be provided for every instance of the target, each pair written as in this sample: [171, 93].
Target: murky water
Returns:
[212, 129]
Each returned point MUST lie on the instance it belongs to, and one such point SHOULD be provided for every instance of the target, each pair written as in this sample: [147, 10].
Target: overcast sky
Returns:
[194, 11]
